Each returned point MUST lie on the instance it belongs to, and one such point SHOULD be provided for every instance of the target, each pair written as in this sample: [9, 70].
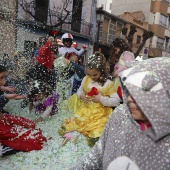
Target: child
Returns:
[123, 55]
[76, 77]
[16, 133]
[42, 99]
[67, 40]
[92, 108]
[43, 69]
[137, 135]
[66, 69]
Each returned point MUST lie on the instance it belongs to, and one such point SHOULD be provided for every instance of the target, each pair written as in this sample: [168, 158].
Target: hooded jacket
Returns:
[123, 145]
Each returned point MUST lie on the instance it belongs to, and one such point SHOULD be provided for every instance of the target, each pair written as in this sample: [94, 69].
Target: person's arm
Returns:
[127, 57]
[47, 112]
[78, 69]
[80, 90]
[7, 88]
[111, 101]
[78, 52]
[43, 50]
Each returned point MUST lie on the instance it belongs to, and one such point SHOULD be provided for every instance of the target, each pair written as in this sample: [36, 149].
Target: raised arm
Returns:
[78, 69]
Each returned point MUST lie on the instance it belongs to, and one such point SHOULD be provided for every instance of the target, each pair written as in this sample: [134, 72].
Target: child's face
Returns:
[39, 96]
[136, 112]
[117, 49]
[94, 74]
[74, 59]
[3, 78]
[68, 42]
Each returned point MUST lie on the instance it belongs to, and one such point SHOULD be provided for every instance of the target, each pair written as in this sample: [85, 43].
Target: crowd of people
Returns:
[121, 106]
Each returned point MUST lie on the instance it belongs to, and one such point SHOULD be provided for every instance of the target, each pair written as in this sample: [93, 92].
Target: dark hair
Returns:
[69, 55]
[2, 68]
[98, 61]
[42, 88]
[121, 43]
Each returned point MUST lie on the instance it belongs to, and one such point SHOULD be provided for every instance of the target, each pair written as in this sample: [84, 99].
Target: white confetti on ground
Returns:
[52, 156]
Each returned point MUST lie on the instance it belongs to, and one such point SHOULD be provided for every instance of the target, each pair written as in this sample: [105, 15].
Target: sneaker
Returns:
[6, 151]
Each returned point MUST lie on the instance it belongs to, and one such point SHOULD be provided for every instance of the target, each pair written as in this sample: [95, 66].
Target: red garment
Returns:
[119, 92]
[20, 134]
[93, 91]
[45, 56]
[142, 126]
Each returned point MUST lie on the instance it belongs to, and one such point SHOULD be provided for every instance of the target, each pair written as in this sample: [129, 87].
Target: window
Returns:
[110, 6]
[138, 40]
[160, 43]
[29, 46]
[153, 19]
[41, 11]
[163, 20]
[166, 1]
[77, 15]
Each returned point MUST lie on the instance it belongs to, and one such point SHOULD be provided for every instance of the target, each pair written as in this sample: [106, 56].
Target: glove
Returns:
[84, 46]
[54, 33]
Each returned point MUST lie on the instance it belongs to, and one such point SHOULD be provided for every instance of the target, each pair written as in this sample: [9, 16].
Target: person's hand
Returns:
[84, 47]
[96, 98]
[39, 120]
[30, 107]
[115, 74]
[8, 88]
[85, 98]
[14, 96]
[51, 39]
[66, 61]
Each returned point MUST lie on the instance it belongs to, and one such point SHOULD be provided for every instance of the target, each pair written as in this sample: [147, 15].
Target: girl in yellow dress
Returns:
[93, 102]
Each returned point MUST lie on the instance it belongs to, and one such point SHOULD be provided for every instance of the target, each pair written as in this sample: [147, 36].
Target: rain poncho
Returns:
[123, 145]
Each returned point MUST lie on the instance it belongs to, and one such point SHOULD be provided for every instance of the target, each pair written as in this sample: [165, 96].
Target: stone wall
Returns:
[7, 27]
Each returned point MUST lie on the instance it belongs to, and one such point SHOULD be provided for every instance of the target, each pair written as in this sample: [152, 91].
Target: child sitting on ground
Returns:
[43, 99]
[16, 133]
[93, 102]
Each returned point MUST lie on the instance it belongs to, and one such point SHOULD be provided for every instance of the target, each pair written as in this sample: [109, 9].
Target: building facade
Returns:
[157, 14]
[7, 26]
[136, 19]
[48, 13]
[106, 4]
[108, 27]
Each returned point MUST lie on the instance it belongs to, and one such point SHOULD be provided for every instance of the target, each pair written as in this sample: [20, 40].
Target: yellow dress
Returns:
[89, 118]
